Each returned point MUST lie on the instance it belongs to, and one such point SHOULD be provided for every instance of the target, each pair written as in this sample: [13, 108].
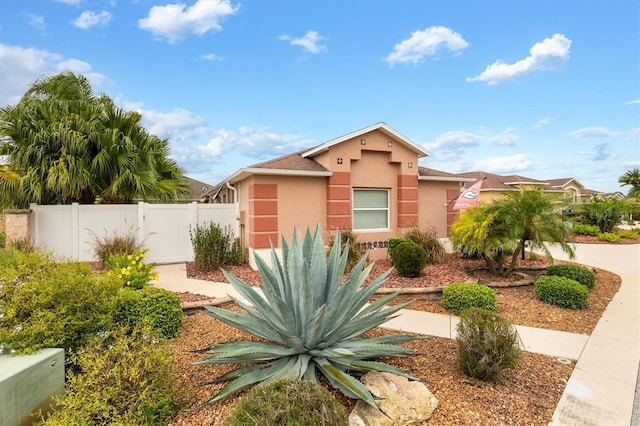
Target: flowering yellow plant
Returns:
[131, 270]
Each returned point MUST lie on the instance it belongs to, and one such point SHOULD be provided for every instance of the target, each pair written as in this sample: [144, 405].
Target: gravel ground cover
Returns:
[526, 396]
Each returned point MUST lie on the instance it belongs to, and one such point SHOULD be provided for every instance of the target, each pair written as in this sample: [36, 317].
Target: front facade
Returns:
[367, 181]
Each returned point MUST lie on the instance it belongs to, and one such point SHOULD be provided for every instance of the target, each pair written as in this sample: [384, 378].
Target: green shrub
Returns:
[127, 380]
[130, 269]
[392, 243]
[288, 402]
[409, 259]
[628, 233]
[350, 239]
[52, 305]
[428, 240]
[487, 344]
[561, 291]
[159, 308]
[3, 239]
[581, 274]
[605, 214]
[116, 244]
[456, 297]
[580, 229]
[609, 237]
[214, 246]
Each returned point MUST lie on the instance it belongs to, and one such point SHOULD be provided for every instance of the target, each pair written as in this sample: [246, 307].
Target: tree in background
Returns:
[67, 144]
[632, 178]
[499, 231]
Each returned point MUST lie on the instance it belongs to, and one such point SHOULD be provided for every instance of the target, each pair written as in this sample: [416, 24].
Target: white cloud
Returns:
[36, 22]
[211, 57]
[635, 101]
[634, 133]
[89, 19]
[506, 137]
[542, 122]
[176, 21]
[311, 42]
[544, 55]
[426, 43]
[255, 142]
[503, 165]
[593, 132]
[27, 65]
[455, 139]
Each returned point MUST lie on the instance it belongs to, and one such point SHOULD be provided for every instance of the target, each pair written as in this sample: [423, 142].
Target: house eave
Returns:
[446, 179]
[378, 126]
[250, 171]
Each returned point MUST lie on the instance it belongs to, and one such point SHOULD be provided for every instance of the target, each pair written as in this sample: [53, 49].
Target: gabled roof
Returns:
[563, 182]
[378, 126]
[301, 163]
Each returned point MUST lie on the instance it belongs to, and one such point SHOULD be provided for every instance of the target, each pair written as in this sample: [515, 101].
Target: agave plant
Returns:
[311, 320]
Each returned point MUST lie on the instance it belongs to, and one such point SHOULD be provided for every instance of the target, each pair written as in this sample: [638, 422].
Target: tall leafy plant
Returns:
[311, 321]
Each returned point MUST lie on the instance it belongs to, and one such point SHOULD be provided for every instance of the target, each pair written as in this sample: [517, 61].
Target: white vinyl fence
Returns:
[70, 231]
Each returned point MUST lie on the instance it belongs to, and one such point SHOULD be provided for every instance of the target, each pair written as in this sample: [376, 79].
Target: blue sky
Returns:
[544, 89]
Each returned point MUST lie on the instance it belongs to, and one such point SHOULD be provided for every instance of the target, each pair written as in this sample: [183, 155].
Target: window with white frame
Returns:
[370, 209]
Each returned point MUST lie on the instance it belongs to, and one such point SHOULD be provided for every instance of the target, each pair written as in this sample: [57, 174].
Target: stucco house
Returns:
[367, 181]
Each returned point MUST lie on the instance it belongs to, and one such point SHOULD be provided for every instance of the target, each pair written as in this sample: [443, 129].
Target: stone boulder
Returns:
[400, 401]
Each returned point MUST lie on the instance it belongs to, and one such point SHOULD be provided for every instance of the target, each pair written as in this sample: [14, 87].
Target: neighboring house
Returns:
[367, 181]
[200, 192]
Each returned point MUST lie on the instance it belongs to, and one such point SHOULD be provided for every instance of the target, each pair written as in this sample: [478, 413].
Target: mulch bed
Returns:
[527, 395]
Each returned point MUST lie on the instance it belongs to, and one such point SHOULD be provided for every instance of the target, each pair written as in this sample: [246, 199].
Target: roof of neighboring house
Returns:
[493, 182]
[563, 182]
[198, 189]
[425, 173]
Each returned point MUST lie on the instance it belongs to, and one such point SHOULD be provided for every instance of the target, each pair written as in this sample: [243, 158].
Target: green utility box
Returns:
[27, 383]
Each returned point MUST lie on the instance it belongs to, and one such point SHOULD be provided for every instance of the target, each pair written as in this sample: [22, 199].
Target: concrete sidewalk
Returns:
[602, 388]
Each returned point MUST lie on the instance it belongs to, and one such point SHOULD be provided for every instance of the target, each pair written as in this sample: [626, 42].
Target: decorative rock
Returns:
[400, 401]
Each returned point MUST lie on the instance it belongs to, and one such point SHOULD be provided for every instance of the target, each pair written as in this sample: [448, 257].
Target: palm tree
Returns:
[503, 228]
[534, 216]
[631, 177]
[70, 145]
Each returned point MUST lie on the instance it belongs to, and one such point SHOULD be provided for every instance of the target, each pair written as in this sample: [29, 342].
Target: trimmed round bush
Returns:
[160, 308]
[409, 259]
[288, 402]
[487, 344]
[581, 274]
[561, 291]
[457, 297]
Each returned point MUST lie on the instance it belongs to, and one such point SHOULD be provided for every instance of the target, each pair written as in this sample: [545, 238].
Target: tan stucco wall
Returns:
[433, 205]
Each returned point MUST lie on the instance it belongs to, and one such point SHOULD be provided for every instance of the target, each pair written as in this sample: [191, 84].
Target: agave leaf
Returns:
[249, 379]
[246, 351]
[238, 372]
[345, 383]
[365, 366]
[389, 339]
[332, 352]
[245, 323]
[316, 327]
[336, 265]
[318, 271]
